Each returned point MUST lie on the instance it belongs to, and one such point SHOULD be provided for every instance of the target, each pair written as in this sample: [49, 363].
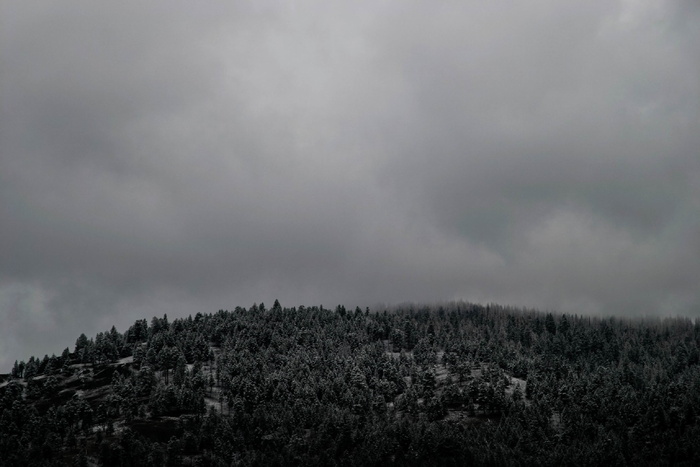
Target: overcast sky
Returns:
[183, 157]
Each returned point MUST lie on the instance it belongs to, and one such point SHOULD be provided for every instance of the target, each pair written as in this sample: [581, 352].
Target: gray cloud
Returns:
[167, 158]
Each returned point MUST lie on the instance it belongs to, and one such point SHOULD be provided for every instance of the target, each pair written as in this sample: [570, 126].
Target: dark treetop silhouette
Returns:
[446, 385]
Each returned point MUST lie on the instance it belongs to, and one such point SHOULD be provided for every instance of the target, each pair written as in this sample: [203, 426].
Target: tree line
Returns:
[446, 384]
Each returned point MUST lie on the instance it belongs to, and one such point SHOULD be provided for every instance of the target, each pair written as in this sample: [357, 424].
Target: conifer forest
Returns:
[445, 384]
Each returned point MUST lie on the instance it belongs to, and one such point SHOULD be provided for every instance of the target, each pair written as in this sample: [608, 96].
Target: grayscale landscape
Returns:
[479, 172]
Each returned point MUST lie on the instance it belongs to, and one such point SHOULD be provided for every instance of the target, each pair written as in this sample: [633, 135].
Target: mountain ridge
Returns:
[445, 384]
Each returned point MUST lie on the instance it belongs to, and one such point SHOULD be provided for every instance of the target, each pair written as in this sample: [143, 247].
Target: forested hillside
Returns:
[456, 384]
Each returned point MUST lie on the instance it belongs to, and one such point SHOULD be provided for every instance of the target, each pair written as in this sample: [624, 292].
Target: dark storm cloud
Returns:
[173, 158]
[563, 140]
